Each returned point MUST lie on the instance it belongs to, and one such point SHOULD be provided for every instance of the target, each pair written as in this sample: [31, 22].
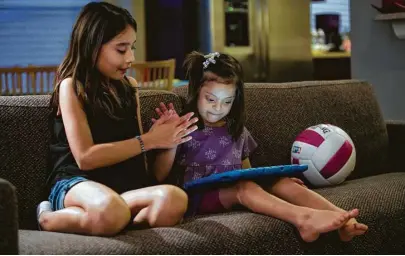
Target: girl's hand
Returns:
[166, 111]
[298, 181]
[167, 133]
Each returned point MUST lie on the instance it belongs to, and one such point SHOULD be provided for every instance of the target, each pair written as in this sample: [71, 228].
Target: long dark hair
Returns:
[226, 69]
[97, 24]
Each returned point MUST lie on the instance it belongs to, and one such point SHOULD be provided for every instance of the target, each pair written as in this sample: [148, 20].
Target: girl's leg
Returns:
[309, 222]
[90, 208]
[158, 206]
[296, 194]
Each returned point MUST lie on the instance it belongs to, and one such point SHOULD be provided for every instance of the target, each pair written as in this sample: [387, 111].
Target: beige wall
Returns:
[378, 57]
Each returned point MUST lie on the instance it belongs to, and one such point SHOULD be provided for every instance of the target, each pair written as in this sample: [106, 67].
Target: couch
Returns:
[276, 113]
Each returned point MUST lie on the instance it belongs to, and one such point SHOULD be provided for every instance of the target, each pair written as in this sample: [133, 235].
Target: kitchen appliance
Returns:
[271, 38]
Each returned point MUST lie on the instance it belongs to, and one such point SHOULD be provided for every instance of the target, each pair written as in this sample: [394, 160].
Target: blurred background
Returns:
[272, 38]
[275, 40]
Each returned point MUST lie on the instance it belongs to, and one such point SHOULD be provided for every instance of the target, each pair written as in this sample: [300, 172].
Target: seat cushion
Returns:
[381, 200]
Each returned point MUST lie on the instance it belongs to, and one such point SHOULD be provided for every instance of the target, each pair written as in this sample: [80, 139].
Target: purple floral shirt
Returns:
[212, 150]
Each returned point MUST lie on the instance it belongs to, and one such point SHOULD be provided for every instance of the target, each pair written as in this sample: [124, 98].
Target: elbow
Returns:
[84, 163]
[161, 173]
[160, 178]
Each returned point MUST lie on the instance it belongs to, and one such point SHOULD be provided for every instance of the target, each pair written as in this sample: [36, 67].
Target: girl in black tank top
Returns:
[100, 181]
[129, 175]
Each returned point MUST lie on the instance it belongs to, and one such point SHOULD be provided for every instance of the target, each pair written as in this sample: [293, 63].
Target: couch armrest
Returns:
[396, 148]
[8, 218]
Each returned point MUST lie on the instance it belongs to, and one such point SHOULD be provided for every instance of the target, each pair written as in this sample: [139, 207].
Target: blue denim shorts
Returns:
[59, 190]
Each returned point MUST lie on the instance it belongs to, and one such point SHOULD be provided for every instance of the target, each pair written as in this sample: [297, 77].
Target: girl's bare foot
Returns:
[314, 222]
[351, 229]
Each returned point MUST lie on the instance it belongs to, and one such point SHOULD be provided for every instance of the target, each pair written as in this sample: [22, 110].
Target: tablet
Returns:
[256, 173]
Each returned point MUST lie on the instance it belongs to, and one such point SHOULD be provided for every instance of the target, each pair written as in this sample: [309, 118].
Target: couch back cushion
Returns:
[24, 145]
[25, 138]
[277, 113]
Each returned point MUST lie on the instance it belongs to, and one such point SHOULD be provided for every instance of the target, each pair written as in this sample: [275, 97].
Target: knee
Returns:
[107, 216]
[283, 184]
[169, 206]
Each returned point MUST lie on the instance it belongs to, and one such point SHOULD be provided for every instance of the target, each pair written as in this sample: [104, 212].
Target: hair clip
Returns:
[210, 58]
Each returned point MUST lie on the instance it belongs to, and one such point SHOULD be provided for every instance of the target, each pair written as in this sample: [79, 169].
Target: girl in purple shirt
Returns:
[222, 143]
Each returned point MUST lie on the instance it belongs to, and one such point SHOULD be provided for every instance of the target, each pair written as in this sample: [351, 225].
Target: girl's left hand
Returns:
[298, 181]
[166, 111]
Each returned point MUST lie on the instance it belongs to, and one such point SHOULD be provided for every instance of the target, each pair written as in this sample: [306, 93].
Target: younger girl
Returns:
[222, 143]
[100, 179]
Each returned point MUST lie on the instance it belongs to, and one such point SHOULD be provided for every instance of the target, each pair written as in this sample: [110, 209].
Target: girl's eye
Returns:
[210, 99]
[229, 102]
[121, 51]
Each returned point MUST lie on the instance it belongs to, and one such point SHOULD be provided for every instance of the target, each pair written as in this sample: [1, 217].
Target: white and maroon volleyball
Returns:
[329, 153]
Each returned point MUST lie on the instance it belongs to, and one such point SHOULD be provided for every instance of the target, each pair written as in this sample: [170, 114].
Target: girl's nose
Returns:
[130, 58]
[217, 107]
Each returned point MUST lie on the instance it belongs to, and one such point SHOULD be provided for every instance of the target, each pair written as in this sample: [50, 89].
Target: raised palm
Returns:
[166, 111]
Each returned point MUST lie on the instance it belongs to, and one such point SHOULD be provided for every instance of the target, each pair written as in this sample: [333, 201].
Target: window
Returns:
[36, 32]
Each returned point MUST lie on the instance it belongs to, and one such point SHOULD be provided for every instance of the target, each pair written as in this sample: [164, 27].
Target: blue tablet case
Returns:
[218, 179]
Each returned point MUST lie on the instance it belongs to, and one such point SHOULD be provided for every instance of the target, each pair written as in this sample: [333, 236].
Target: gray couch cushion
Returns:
[25, 139]
[381, 200]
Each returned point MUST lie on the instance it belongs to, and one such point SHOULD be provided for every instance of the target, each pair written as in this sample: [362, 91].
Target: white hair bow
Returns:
[210, 58]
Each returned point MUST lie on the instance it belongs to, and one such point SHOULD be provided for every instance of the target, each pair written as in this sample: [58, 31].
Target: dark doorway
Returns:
[171, 30]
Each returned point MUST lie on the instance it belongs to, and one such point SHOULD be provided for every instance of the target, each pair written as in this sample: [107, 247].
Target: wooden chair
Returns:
[27, 80]
[157, 75]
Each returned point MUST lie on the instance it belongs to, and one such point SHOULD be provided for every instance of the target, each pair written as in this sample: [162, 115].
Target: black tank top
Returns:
[121, 177]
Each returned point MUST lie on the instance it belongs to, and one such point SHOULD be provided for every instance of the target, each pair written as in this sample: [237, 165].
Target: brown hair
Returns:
[226, 69]
[97, 24]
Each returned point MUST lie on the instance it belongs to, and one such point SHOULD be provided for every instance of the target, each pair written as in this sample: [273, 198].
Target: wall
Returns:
[378, 57]
[333, 6]
[289, 43]
[137, 9]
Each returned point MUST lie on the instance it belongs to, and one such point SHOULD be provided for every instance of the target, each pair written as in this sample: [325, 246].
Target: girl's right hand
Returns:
[166, 135]
[164, 110]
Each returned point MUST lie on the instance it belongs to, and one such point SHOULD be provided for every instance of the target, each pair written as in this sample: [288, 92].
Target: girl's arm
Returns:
[246, 163]
[249, 146]
[89, 156]
[165, 158]
[164, 163]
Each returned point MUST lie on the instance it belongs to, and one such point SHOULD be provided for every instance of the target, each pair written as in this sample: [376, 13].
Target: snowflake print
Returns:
[210, 154]
[197, 175]
[194, 144]
[194, 164]
[208, 131]
[224, 141]
[209, 169]
[226, 162]
[236, 153]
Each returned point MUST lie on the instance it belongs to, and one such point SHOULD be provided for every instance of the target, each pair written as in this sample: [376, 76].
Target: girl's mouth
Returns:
[123, 70]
